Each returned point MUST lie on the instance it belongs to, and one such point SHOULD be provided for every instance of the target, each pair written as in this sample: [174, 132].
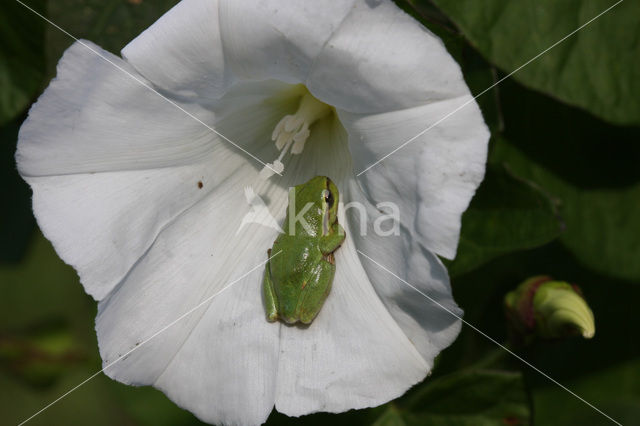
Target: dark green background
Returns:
[561, 197]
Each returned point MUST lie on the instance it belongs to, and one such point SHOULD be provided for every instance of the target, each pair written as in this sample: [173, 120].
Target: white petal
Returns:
[225, 372]
[95, 117]
[380, 59]
[200, 47]
[219, 361]
[277, 38]
[102, 223]
[182, 51]
[433, 178]
[353, 355]
[390, 61]
[431, 323]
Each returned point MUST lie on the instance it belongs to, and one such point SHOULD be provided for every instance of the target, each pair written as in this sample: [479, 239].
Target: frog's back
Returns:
[297, 256]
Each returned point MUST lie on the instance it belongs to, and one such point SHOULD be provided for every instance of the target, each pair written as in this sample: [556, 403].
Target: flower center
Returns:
[292, 132]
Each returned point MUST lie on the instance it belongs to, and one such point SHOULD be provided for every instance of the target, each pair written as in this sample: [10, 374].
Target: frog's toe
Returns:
[306, 316]
[288, 319]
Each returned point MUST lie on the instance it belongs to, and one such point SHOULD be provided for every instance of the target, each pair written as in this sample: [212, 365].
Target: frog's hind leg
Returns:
[316, 291]
[270, 300]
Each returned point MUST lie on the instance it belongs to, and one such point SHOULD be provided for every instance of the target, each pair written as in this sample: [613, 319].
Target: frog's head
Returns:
[322, 195]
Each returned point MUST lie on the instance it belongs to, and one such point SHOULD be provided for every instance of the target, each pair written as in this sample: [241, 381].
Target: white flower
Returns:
[145, 202]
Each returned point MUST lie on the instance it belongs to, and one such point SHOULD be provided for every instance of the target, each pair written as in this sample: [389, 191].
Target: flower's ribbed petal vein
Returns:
[431, 326]
[94, 117]
[220, 361]
[380, 59]
[431, 179]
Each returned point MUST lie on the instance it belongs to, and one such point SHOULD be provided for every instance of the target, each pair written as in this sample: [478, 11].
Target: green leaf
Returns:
[467, 397]
[616, 391]
[148, 406]
[21, 57]
[591, 168]
[391, 417]
[597, 69]
[506, 214]
[16, 218]
[602, 225]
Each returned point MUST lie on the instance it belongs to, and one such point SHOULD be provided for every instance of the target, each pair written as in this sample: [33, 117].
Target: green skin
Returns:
[298, 279]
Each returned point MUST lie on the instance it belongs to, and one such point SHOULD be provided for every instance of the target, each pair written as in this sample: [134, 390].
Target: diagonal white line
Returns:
[490, 87]
[148, 86]
[493, 340]
[162, 330]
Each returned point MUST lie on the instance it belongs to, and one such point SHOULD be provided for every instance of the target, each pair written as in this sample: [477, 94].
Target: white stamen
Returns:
[293, 122]
[278, 128]
[282, 140]
[292, 132]
[299, 140]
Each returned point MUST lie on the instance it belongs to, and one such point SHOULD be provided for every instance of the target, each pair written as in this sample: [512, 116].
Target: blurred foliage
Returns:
[39, 354]
[21, 58]
[108, 23]
[590, 166]
[16, 220]
[45, 312]
[616, 389]
[506, 214]
[597, 69]
[570, 361]
[474, 397]
[561, 197]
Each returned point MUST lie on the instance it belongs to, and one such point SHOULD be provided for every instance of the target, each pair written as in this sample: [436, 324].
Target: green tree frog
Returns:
[298, 279]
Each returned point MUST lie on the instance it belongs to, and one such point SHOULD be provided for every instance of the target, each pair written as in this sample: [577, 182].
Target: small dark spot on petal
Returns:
[200, 185]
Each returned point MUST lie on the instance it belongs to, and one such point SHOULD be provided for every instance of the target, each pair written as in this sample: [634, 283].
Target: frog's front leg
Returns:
[315, 291]
[330, 242]
[270, 299]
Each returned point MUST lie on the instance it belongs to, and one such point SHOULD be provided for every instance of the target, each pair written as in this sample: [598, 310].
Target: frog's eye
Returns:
[328, 197]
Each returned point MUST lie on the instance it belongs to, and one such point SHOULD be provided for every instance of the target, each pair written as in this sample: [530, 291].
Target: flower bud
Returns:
[548, 309]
